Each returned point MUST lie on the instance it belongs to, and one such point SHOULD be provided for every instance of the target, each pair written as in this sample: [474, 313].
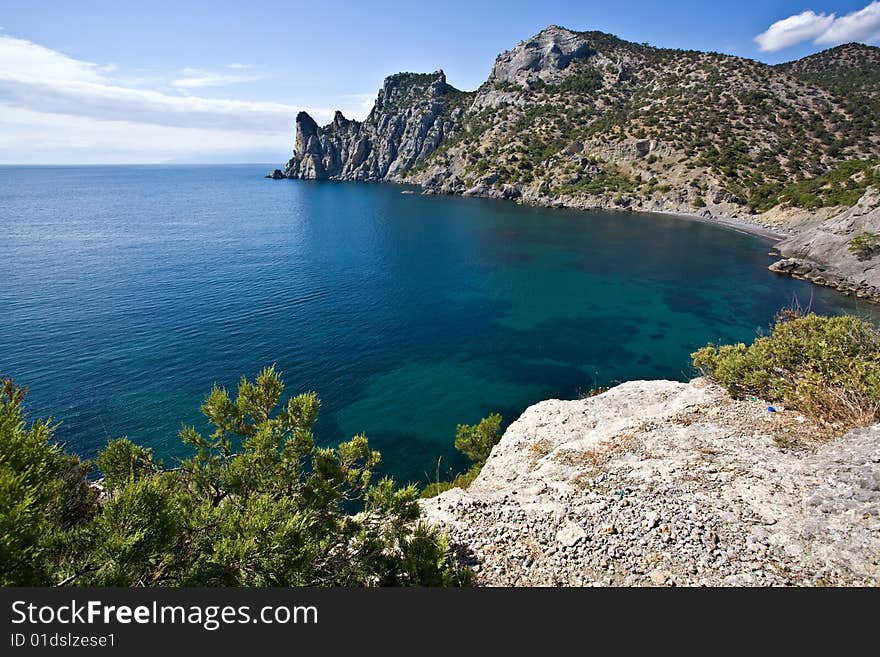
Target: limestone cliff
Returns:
[666, 483]
[413, 113]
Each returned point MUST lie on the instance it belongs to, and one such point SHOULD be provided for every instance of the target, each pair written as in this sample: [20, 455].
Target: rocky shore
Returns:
[721, 215]
[661, 483]
[827, 276]
[821, 250]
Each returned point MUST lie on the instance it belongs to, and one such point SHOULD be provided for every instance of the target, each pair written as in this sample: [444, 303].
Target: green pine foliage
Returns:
[865, 245]
[476, 442]
[842, 185]
[258, 504]
[44, 494]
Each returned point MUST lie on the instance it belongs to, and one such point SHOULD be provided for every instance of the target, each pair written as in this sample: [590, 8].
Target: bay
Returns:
[126, 291]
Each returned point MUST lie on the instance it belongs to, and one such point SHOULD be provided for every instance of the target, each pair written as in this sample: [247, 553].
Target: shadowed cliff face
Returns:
[412, 115]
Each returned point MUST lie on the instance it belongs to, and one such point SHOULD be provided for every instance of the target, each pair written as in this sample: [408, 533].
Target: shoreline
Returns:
[742, 225]
[735, 223]
[800, 268]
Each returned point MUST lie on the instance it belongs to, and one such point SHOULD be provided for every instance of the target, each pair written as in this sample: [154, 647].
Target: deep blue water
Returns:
[125, 292]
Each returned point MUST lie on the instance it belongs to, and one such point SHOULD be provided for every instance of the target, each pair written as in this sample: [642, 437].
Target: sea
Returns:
[126, 292]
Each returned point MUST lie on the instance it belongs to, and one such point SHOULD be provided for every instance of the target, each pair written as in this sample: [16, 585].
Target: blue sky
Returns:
[95, 81]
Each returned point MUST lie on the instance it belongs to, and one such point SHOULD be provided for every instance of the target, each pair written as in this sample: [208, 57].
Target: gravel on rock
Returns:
[660, 483]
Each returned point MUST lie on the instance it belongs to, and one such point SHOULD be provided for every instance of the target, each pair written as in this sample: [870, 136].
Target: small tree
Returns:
[259, 504]
[476, 442]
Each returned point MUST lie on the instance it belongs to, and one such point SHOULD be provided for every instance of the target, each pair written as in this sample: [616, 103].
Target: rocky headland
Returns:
[665, 483]
[412, 115]
[586, 120]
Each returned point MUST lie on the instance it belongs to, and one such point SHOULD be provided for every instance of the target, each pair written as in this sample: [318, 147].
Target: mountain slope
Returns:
[587, 119]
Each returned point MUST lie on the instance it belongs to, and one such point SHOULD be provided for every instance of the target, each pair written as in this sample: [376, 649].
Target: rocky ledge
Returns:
[827, 276]
[821, 250]
[666, 483]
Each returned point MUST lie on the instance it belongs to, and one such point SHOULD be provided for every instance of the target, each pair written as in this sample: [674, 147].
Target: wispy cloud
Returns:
[41, 79]
[30, 136]
[51, 103]
[196, 78]
[30, 60]
[823, 29]
[360, 104]
[113, 103]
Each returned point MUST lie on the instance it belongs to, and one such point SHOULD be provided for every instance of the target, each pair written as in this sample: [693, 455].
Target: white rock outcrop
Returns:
[659, 482]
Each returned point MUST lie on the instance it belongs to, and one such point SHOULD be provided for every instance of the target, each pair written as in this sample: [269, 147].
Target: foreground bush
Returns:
[257, 505]
[44, 494]
[826, 367]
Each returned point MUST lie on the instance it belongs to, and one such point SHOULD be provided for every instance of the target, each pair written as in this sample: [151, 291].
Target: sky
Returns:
[96, 81]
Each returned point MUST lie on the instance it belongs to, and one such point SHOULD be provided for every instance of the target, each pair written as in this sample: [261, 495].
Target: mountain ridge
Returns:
[588, 119]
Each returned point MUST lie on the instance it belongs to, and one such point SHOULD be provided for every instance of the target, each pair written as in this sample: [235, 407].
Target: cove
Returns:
[127, 291]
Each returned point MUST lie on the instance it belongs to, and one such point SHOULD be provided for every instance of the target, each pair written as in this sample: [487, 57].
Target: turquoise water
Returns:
[125, 292]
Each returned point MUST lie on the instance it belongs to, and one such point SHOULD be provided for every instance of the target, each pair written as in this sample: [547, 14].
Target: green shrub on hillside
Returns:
[865, 245]
[843, 185]
[601, 182]
[259, 504]
[826, 367]
[583, 82]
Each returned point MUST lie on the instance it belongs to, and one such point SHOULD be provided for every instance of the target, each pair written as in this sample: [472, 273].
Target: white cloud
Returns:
[862, 25]
[195, 78]
[34, 77]
[823, 29]
[56, 108]
[793, 30]
[115, 103]
[31, 60]
[32, 137]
